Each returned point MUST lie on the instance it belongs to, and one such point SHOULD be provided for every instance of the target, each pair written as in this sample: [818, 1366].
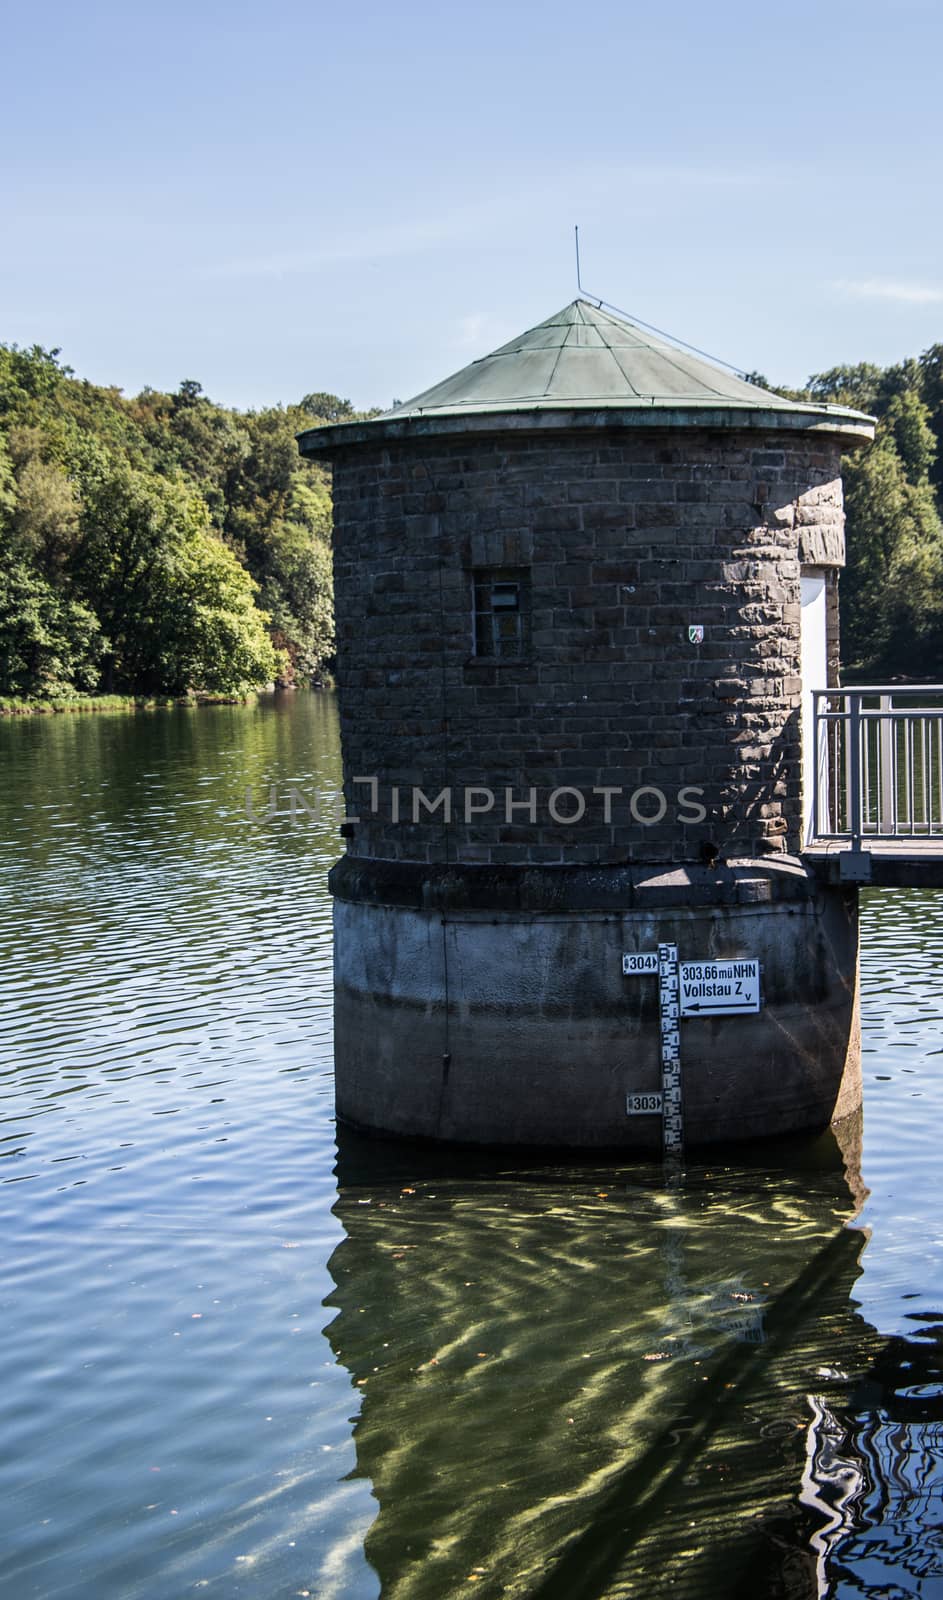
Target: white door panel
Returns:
[814, 654]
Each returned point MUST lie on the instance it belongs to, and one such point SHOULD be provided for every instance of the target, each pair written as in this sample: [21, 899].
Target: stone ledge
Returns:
[851, 426]
[564, 890]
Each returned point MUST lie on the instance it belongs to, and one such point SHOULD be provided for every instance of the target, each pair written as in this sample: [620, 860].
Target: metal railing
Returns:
[878, 764]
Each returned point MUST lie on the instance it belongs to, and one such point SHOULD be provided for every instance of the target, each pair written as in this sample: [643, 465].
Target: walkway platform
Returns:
[882, 863]
[877, 786]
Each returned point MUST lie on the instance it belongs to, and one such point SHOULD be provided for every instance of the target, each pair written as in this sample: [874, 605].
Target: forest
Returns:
[891, 590]
[165, 545]
[159, 545]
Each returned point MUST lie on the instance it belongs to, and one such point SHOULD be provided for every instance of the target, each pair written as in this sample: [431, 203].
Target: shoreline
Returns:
[11, 706]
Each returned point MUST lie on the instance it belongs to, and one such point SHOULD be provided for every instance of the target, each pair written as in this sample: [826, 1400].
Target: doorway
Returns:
[813, 647]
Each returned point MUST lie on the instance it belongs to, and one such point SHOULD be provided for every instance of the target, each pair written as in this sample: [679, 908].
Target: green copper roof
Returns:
[584, 361]
[585, 356]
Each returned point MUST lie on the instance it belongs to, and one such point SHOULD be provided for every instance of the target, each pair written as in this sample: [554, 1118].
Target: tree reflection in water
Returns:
[583, 1382]
[875, 1473]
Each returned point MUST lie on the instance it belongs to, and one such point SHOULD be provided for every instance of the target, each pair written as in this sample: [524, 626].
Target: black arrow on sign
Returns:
[720, 1006]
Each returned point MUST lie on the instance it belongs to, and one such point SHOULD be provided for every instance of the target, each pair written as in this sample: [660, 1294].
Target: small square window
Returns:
[502, 611]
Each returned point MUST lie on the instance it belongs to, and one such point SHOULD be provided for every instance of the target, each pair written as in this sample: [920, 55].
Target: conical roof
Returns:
[586, 367]
[584, 356]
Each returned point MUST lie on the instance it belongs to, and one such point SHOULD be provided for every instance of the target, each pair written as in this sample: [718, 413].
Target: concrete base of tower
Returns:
[489, 1005]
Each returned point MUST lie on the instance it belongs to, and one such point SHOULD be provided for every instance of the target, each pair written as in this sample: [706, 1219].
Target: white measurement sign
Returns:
[719, 988]
[686, 989]
[642, 963]
[638, 1105]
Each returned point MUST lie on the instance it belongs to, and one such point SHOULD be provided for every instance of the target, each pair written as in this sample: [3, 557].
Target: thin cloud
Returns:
[378, 244]
[900, 293]
[522, 197]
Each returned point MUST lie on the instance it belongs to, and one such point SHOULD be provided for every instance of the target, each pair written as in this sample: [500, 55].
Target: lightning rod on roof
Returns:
[740, 371]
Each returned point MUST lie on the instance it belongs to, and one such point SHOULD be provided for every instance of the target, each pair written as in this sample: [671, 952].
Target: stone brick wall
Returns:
[630, 537]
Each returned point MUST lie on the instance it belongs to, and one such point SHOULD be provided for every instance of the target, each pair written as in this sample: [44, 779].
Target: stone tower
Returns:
[583, 590]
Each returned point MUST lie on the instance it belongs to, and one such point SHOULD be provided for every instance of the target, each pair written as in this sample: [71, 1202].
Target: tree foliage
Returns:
[49, 645]
[892, 588]
[165, 543]
[158, 544]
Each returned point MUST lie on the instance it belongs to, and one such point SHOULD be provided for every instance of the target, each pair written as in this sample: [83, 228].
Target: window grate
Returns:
[501, 600]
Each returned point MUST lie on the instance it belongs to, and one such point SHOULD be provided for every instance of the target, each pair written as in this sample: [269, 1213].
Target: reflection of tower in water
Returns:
[582, 1382]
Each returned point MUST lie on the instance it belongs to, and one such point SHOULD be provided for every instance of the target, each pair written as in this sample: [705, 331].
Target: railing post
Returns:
[887, 758]
[819, 817]
[854, 766]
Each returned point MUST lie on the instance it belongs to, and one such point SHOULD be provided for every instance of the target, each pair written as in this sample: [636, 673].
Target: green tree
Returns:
[49, 645]
[931, 389]
[327, 408]
[892, 588]
[298, 594]
[7, 486]
[856, 386]
[104, 500]
[167, 592]
[46, 514]
[28, 376]
[907, 421]
[219, 641]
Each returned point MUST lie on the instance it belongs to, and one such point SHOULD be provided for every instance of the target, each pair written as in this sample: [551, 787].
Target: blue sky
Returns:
[362, 198]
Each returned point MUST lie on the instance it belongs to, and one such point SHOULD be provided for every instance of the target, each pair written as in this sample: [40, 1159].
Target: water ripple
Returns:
[225, 1369]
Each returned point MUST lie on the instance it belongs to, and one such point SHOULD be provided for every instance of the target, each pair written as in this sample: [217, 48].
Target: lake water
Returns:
[241, 1359]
